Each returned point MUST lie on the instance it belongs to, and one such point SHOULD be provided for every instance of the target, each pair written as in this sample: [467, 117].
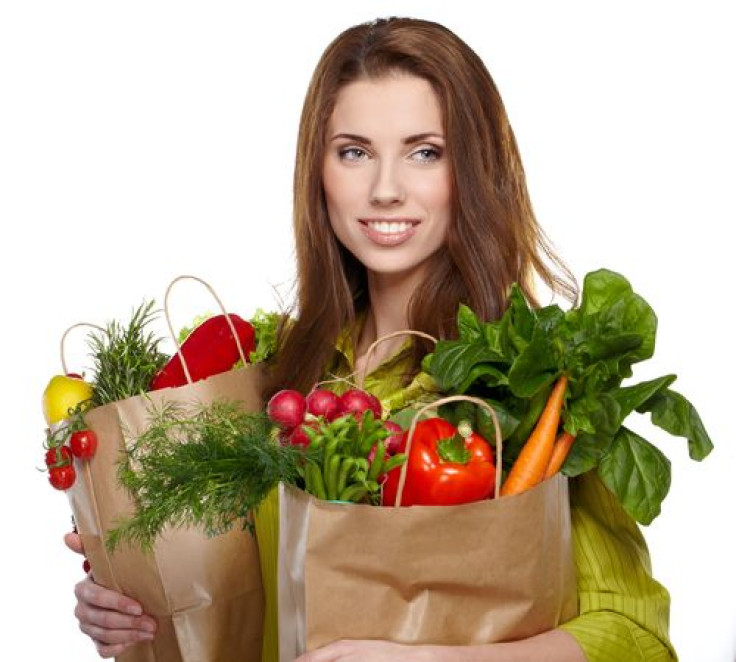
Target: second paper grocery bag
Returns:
[488, 571]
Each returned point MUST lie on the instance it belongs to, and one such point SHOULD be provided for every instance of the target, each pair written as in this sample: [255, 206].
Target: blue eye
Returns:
[352, 153]
[427, 154]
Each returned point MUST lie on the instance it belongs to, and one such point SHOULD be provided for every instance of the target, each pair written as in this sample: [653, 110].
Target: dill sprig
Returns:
[207, 469]
[125, 358]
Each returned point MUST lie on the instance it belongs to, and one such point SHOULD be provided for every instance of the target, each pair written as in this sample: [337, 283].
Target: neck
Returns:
[390, 295]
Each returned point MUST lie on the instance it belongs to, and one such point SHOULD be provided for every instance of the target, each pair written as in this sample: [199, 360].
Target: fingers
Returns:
[74, 542]
[113, 620]
[105, 651]
[95, 597]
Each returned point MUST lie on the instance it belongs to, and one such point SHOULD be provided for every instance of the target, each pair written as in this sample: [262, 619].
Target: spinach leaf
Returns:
[637, 473]
[630, 398]
[521, 319]
[535, 367]
[453, 360]
[601, 290]
[468, 325]
[594, 420]
[675, 414]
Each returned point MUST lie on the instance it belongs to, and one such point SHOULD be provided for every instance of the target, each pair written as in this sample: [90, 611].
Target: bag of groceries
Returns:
[439, 514]
[204, 591]
[490, 570]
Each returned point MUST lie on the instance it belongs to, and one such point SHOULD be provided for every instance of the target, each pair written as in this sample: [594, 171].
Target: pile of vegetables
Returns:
[213, 468]
[554, 378]
[514, 363]
[127, 362]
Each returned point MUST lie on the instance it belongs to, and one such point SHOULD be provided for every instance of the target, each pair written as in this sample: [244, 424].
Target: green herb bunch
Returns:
[125, 358]
[209, 468]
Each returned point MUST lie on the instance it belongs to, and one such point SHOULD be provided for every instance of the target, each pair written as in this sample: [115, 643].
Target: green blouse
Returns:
[623, 610]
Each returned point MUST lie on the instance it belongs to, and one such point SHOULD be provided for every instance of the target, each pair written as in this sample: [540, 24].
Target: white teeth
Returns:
[385, 227]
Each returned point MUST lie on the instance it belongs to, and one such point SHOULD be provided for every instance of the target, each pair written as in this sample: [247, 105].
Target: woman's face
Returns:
[386, 175]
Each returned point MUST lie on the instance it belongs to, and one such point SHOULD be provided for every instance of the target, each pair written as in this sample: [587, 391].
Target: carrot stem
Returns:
[559, 453]
[534, 458]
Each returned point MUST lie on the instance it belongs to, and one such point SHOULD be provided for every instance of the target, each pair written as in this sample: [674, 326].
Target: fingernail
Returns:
[134, 610]
[146, 636]
[149, 626]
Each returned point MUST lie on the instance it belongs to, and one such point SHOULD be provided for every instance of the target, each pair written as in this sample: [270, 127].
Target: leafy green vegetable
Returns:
[512, 363]
[209, 469]
[266, 327]
[638, 473]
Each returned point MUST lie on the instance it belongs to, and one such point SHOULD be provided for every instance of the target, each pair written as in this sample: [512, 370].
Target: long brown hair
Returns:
[494, 239]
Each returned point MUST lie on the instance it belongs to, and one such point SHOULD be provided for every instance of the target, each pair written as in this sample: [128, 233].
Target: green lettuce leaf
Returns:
[266, 326]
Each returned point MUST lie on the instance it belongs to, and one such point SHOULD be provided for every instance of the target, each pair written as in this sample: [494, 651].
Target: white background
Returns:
[142, 140]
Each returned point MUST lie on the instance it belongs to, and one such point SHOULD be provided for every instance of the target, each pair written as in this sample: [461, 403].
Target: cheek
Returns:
[339, 191]
[436, 196]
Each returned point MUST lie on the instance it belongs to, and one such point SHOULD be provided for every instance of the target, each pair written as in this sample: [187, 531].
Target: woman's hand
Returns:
[113, 621]
[368, 651]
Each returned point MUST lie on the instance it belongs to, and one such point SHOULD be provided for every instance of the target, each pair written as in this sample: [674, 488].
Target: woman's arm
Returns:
[113, 621]
[552, 646]
[624, 611]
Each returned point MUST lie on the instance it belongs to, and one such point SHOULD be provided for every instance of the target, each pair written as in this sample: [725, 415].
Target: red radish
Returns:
[356, 401]
[322, 402]
[372, 454]
[287, 408]
[394, 441]
[298, 437]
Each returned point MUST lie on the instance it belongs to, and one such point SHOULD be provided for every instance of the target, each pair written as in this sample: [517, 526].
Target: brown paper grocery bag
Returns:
[488, 571]
[482, 572]
[205, 593]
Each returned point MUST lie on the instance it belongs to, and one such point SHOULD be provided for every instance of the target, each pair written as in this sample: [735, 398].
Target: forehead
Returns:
[397, 103]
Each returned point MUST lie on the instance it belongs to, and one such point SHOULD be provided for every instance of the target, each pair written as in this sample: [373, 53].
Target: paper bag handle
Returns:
[378, 341]
[171, 327]
[63, 340]
[434, 405]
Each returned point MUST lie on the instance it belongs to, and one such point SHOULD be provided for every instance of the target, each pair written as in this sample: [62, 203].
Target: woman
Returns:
[410, 198]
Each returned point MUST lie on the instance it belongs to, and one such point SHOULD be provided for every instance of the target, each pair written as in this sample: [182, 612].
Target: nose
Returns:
[387, 187]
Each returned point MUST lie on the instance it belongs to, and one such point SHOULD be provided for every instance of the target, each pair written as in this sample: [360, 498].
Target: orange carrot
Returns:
[559, 453]
[529, 468]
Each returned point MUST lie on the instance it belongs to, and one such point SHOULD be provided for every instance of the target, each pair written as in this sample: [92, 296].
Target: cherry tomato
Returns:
[83, 444]
[62, 478]
[58, 456]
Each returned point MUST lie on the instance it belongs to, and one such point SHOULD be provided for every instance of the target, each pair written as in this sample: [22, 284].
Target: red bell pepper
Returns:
[443, 468]
[208, 350]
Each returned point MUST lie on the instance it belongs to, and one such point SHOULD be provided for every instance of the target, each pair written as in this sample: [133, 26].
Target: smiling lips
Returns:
[389, 232]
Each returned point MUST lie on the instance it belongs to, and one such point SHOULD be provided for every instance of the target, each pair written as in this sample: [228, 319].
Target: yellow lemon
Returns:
[62, 394]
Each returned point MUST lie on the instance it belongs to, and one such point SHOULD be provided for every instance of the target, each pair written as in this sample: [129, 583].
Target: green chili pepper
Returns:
[393, 462]
[332, 469]
[377, 463]
[353, 493]
[348, 465]
[315, 480]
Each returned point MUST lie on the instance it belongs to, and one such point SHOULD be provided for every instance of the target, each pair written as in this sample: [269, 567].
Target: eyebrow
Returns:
[409, 140]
